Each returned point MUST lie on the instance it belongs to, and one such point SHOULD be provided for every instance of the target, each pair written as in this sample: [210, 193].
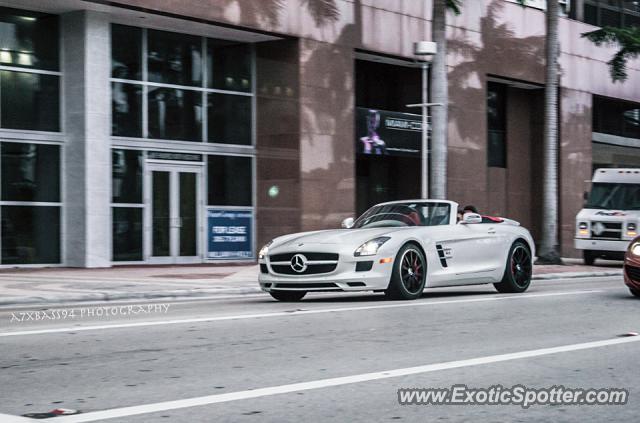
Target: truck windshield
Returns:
[614, 196]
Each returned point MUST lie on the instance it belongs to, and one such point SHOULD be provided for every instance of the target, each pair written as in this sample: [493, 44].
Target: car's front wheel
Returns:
[288, 296]
[635, 292]
[409, 274]
[518, 271]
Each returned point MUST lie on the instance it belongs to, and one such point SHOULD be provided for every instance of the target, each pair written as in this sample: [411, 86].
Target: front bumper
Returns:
[601, 245]
[632, 272]
[343, 278]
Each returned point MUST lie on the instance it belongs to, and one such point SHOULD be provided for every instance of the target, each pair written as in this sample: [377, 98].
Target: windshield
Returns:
[614, 196]
[405, 214]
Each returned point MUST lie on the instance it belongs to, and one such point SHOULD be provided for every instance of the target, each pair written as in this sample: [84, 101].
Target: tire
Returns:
[635, 292]
[518, 270]
[589, 257]
[288, 296]
[409, 274]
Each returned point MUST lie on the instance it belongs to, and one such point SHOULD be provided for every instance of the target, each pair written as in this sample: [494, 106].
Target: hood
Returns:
[608, 215]
[333, 236]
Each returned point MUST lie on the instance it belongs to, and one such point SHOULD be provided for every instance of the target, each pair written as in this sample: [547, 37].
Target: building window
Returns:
[160, 91]
[616, 13]
[30, 97]
[30, 203]
[496, 125]
[616, 117]
[128, 206]
[229, 180]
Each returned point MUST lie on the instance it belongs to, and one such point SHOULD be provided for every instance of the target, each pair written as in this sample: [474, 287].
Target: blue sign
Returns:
[230, 234]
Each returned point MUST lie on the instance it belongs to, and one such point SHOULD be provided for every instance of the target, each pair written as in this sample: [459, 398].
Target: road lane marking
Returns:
[288, 313]
[338, 381]
[6, 418]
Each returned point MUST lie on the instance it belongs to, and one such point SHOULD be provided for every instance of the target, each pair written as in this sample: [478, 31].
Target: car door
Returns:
[465, 253]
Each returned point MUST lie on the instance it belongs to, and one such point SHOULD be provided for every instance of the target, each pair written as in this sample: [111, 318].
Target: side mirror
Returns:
[348, 223]
[470, 218]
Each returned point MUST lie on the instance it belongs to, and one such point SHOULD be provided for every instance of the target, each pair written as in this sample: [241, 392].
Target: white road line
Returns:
[6, 418]
[288, 313]
[338, 381]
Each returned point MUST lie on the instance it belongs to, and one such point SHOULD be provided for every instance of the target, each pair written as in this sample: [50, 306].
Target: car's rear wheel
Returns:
[409, 274]
[518, 270]
[589, 257]
[635, 292]
[288, 296]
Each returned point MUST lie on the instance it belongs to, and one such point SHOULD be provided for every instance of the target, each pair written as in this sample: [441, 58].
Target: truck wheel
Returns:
[589, 257]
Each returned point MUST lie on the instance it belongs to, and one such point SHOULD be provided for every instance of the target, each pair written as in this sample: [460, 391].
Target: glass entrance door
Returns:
[174, 213]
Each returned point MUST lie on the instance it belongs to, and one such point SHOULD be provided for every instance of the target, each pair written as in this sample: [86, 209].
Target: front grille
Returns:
[309, 256]
[312, 269]
[613, 230]
[632, 272]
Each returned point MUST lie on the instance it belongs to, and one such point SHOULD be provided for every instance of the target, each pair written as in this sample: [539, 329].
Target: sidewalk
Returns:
[66, 285]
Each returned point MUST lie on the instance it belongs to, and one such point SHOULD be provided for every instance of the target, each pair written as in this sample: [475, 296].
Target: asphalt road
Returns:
[331, 357]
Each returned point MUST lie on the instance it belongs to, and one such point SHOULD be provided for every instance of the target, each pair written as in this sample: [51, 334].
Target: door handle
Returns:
[491, 231]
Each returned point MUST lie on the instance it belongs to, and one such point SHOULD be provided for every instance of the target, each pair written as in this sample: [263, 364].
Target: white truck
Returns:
[609, 220]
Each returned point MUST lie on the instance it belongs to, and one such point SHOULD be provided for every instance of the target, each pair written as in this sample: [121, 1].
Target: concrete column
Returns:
[87, 116]
[575, 161]
[327, 145]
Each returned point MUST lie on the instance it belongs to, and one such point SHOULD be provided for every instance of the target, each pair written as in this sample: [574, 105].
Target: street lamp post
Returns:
[425, 49]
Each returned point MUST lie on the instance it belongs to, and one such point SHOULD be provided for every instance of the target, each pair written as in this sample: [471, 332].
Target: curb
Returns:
[575, 275]
[195, 293]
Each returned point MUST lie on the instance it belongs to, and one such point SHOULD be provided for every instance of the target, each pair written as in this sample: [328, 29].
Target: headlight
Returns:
[370, 248]
[583, 228]
[635, 249]
[631, 229]
[264, 250]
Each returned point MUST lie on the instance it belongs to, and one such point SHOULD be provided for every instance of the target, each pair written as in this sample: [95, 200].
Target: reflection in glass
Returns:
[30, 101]
[126, 110]
[228, 65]
[175, 114]
[30, 172]
[28, 39]
[174, 58]
[126, 52]
[229, 181]
[229, 118]
[127, 176]
[161, 214]
[127, 234]
[188, 214]
[30, 234]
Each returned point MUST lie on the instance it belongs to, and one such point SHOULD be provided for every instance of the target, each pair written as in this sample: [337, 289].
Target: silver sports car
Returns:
[401, 248]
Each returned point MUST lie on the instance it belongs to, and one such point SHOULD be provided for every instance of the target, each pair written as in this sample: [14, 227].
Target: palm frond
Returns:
[626, 39]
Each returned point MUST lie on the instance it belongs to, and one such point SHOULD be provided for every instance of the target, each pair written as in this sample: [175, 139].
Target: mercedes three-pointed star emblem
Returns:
[299, 263]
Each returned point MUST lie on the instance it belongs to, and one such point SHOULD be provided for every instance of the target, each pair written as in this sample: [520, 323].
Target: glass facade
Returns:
[30, 203]
[616, 117]
[180, 87]
[616, 13]
[30, 173]
[229, 180]
[30, 98]
[128, 205]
